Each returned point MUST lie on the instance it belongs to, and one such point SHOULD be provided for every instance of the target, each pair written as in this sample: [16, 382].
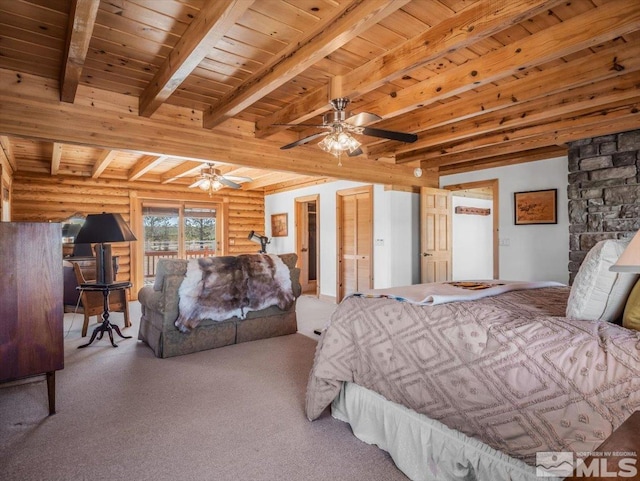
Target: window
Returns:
[177, 230]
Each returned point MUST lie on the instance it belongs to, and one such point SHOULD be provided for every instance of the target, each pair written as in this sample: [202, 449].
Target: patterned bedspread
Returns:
[509, 370]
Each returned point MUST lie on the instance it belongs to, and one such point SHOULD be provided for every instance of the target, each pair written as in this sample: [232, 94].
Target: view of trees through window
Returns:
[181, 231]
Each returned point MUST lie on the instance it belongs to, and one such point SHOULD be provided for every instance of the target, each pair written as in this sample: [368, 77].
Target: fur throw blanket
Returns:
[219, 288]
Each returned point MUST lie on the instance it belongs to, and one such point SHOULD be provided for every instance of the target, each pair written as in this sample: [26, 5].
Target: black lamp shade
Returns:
[104, 228]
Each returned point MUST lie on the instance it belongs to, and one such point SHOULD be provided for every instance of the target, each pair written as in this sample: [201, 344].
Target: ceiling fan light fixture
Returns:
[339, 142]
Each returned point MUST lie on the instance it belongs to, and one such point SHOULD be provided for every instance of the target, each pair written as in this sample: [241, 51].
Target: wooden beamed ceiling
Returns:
[140, 90]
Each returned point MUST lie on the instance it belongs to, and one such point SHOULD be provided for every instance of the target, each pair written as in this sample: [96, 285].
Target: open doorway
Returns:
[475, 230]
[307, 243]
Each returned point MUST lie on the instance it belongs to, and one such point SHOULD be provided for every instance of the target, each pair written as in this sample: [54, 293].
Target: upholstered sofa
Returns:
[160, 310]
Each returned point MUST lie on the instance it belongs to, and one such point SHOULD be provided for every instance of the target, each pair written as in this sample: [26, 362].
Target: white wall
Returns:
[532, 252]
[395, 230]
[535, 252]
[472, 241]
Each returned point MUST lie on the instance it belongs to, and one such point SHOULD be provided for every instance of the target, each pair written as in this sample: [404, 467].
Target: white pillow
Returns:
[597, 294]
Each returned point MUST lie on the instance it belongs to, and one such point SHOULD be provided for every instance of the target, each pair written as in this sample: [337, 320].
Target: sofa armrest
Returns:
[163, 296]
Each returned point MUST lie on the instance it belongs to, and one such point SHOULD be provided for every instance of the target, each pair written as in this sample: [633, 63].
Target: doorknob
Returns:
[304, 249]
[426, 254]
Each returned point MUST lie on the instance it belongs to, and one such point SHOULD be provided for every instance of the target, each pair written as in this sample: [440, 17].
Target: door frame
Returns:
[494, 185]
[298, 202]
[367, 189]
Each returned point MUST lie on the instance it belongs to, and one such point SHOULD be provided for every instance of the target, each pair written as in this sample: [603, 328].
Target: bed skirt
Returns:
[422, 448]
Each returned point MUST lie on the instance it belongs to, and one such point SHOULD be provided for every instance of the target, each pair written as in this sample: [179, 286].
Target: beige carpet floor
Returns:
[234, 413]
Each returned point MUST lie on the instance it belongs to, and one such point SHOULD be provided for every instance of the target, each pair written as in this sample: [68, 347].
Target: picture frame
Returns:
[536, 207]
[279, 225]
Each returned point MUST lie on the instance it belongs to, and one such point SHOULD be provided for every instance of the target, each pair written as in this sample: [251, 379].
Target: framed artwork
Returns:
[536, 207]
[279, 223]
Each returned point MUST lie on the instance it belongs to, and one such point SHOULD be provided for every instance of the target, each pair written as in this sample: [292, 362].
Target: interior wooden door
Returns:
[355, 241]
[302, 235]
[307, 241]
[435, 235]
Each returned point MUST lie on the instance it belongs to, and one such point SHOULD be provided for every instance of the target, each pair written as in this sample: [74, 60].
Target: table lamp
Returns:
[259, 239]
[101, 229]
[629, 262]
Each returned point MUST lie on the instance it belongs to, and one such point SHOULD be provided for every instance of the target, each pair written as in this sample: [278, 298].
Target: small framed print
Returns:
[279, 225]
[536, 207]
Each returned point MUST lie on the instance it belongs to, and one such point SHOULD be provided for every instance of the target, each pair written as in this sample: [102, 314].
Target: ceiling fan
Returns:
[339, 127]
[211, 179]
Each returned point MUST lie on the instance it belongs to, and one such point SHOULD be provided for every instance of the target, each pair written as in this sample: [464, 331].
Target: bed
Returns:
[478, 388]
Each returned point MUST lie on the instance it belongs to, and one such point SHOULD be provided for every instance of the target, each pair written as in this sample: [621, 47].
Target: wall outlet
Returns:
[379, 242]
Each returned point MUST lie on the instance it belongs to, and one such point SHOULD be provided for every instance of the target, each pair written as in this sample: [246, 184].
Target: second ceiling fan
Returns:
[211, 179]
[339, 127]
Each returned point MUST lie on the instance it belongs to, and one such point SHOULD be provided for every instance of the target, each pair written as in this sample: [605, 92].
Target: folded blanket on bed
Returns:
[442, 292]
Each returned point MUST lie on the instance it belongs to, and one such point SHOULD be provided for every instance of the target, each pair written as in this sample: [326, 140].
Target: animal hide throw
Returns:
[220, 288]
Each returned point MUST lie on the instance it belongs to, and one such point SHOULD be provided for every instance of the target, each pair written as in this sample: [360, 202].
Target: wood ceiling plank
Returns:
[56, 157]
[45, 18]
[588, 75]
[612, 121]
[613, 92]
[128, 45]
[272, 26]
[269, 179]
[597, 25]
[38, 54]
[182, 170]
[456, 32]
[39, 39]
[82, 19]
[213, 21]
[103, 161]
[301, 183]
[536, 112]
[542, 153]
[144, 165]
[325, 38]
[38, 116]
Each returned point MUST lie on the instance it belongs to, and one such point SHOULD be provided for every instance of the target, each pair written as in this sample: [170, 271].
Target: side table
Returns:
[106, 326]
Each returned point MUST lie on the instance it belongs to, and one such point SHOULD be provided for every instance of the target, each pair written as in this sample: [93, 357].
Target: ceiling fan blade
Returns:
[362, 118]
[227, 182]
[390, 134]
[302, 125]
[304, 140]
[197, 183]
[358, 151]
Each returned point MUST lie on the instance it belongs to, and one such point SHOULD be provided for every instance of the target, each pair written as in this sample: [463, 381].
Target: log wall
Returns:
[42, 198]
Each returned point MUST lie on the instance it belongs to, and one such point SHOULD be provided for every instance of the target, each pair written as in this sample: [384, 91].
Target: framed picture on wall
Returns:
[536, 207]
[279, 225]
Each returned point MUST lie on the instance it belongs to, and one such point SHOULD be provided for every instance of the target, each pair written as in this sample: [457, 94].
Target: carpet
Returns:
[234, 413]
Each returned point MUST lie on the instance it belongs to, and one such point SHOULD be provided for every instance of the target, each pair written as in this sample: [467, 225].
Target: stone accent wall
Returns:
[604, 192]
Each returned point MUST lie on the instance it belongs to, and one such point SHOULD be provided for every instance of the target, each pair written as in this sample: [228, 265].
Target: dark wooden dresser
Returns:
[31, 313]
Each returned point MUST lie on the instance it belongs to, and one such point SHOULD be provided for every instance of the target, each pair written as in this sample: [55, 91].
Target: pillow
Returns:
[597, 294]
[631, 316]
